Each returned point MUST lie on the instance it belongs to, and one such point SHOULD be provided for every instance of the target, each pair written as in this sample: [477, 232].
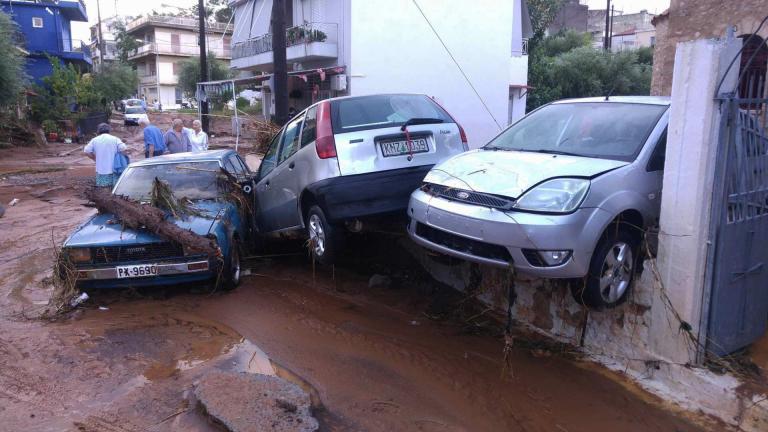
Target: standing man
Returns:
[154, 142]
[102, 150]
[176, 140]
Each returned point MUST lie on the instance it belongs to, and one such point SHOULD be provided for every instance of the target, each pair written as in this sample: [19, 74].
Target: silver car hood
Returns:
[510, 173]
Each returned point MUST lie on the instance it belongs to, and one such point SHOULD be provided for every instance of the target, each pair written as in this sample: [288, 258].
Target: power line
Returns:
[457, 64]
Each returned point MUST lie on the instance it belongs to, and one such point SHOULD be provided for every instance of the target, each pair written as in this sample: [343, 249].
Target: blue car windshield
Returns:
[598, 130]
[193, 180]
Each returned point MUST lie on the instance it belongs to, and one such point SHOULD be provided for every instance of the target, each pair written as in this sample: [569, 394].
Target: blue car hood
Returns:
[104, 230]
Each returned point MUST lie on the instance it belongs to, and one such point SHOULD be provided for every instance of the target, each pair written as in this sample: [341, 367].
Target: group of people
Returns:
[110, 152]
[177, 139]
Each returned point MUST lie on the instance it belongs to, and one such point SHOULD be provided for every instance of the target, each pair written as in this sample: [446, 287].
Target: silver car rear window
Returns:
[599, 130]
[383, 111]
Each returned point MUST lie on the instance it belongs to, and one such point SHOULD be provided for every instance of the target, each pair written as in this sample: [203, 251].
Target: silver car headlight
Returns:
[561, 195]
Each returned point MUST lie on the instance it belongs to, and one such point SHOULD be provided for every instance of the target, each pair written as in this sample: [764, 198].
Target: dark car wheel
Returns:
[230, 274]
[611, 271]
[324, 239]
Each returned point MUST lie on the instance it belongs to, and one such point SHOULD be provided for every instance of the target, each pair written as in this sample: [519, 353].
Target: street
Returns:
[376, 357]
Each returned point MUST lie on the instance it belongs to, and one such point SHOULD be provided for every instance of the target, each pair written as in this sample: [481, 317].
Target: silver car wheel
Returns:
[617, 272]
[317, 234]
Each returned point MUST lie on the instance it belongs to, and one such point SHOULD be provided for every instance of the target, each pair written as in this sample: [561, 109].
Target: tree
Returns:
[542, 13]
[125, 42]
[189, 73]
[115, 82]
[12, 75]
[566, 66]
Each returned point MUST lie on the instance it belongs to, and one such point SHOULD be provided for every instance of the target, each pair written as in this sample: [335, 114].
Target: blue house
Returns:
[45, 28]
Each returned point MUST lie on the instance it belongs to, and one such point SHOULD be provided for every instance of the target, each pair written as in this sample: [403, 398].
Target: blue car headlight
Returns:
[561, 195]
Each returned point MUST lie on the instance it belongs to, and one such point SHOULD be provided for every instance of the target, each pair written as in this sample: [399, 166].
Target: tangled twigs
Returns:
[136, 215]
[163, 198]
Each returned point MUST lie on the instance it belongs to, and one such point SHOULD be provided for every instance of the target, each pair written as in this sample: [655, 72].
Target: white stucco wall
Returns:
[393, 49]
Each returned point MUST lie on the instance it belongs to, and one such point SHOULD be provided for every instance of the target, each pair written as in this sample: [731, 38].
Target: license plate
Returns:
[399, 148]
[134, 271]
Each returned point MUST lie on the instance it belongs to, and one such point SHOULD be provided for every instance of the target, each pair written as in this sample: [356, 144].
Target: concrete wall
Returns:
[687, 20]
[383, 60]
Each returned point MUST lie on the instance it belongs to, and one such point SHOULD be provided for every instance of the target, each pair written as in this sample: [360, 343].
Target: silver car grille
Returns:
[469, 197]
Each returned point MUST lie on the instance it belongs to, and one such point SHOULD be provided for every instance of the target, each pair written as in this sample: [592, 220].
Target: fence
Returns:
[303, 34]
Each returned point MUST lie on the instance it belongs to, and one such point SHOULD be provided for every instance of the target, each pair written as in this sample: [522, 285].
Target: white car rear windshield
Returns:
[138, 110]
[599, 130]
[382, 111]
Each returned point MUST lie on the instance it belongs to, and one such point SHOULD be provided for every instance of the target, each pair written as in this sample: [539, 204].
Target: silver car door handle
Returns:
[292, 165]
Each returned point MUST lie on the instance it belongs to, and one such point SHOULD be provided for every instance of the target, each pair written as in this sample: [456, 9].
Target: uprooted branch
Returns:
[135, 215]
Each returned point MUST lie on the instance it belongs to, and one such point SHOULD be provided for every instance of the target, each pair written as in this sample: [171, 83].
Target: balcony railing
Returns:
[76, 45]
[525, 46]
[168, 48]
[190, 23]
[303, 34]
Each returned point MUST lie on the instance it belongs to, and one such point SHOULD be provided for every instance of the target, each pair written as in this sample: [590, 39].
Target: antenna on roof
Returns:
[610, 92]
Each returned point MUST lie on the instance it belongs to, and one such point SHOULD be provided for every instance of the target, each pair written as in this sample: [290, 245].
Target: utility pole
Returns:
[610, 40]
[280, 65]
[203, 63]
[607, 40]
[101, 38]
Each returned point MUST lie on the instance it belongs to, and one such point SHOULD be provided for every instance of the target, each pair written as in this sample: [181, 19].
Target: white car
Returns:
[133, 114]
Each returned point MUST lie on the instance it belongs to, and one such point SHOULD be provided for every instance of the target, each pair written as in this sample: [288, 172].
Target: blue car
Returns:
[107, 255]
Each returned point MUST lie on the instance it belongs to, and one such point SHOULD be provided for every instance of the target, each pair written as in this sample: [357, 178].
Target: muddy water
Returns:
[371, 358]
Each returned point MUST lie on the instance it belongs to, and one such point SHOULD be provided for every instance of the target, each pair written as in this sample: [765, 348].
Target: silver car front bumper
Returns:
[491, 229]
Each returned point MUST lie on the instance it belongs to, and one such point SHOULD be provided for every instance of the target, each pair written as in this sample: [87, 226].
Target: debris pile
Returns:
[135, 215]
[15, 133]
[262, 131]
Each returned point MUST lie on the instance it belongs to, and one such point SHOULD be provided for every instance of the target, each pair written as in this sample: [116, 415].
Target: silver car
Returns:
[344, 160]
[566, 192]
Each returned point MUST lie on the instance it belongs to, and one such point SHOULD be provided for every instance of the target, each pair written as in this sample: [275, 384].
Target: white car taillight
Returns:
[325, 144]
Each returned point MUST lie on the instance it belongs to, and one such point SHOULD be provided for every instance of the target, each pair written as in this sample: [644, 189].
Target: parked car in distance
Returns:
[133, 114]
[108, 255]
[565, 192]
[347, 159]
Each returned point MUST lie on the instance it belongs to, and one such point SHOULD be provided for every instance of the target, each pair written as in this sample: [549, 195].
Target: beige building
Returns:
[168, 41]
[687, 20]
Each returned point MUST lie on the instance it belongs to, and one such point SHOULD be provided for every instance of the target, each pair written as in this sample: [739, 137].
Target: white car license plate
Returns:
[399, 148]
[134, 271]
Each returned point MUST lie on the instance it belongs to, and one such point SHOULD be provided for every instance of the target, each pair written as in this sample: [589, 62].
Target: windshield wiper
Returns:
[554, 152]
[420, 120]
[494, 148]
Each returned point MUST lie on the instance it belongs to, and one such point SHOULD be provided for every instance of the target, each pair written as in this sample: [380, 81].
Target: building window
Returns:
[753, 70]
[37, 22]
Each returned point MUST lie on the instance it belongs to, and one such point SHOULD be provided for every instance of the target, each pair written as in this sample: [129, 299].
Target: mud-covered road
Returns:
[394, 357]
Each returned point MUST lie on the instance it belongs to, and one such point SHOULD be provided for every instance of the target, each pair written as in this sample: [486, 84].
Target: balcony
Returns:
[74, 10]
[76, 50]
[173, 22]
[313, 41]
[148, 79]
[167, 48]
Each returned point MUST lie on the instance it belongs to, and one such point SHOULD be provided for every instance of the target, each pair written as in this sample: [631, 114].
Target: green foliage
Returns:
[125, 42]
[66, 94]
[189, 73]
[50, 126]
[645, 55]
[542, 13]
[115, 82]
[12, 76]
[242, 103]
[566, 66]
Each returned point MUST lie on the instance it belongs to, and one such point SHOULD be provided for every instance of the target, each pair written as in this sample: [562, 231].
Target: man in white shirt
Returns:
[102, 150]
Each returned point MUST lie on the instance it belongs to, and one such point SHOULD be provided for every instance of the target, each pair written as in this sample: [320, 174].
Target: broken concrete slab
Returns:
[244, 402]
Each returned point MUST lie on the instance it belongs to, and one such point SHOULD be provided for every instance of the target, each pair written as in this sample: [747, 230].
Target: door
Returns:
[284, 209]
[264, 190]
[738, 313]
[370, 137]
[175, 44]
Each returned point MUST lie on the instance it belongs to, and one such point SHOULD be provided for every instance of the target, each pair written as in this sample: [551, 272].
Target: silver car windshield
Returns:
[598, 130]
[193, 180]
[134, 110]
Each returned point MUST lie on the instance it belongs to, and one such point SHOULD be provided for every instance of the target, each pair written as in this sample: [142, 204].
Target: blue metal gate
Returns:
[738, 313]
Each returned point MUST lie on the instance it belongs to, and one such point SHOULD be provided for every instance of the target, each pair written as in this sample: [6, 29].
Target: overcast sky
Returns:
[136, 7]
